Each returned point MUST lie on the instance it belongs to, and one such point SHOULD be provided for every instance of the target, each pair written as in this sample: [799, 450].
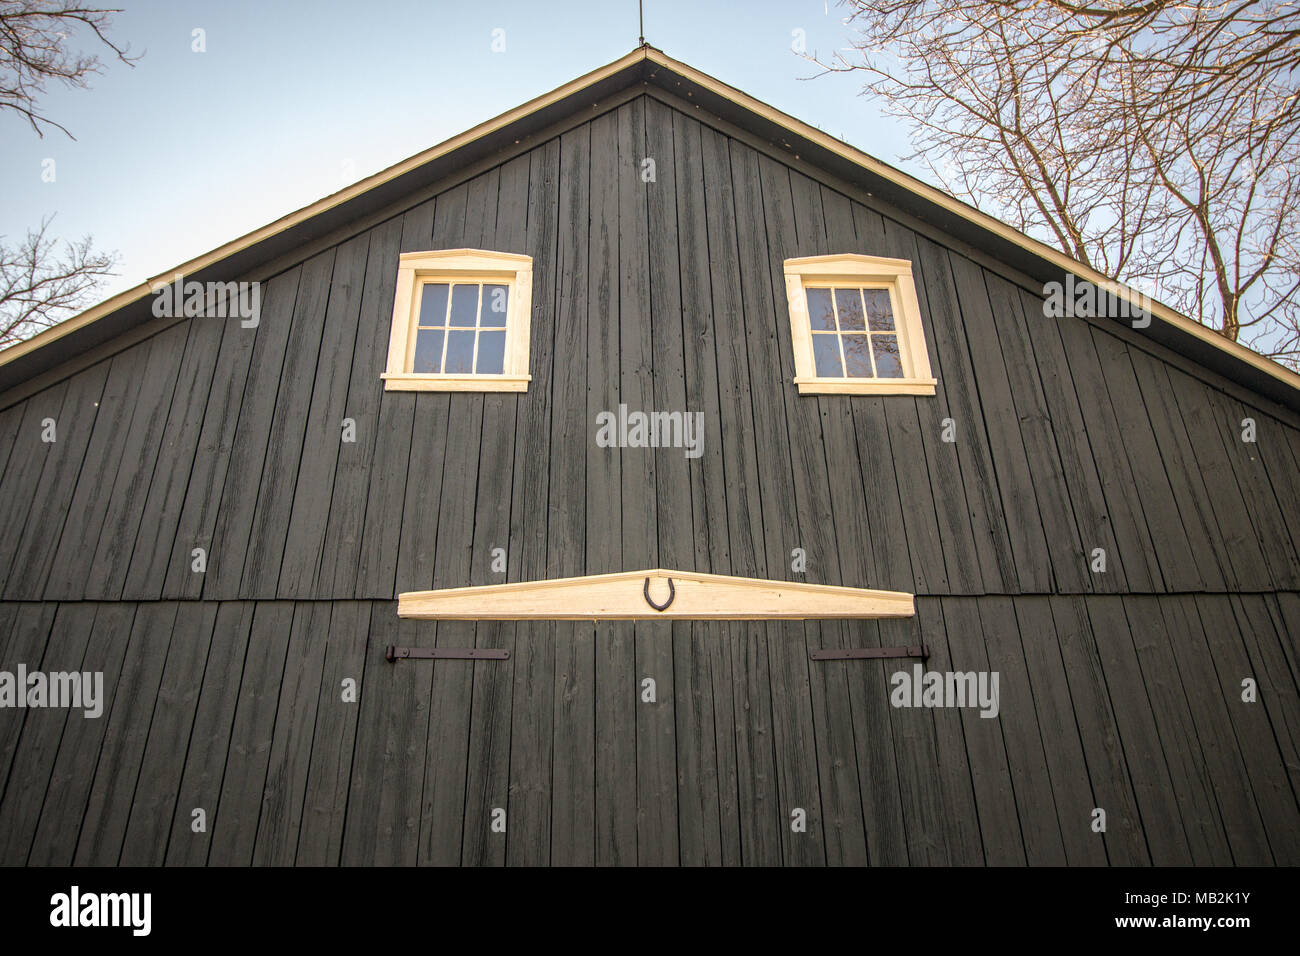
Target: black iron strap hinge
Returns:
[858, 653]
[445, 653]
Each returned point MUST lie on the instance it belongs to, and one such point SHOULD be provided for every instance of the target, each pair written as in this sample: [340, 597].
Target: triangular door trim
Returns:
[638, 595]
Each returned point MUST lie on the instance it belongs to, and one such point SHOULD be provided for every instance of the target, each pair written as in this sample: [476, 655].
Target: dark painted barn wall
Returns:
[670, 296]
[666, 296]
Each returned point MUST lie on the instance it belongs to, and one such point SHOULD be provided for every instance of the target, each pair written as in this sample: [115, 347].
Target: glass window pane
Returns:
[491, 352]
[849, 304]
[826, 356]
[433, 304]
[888, 362]
[496, 305]
[464, 306]
[428, 350]
[820, 312]
[857, 355]
[460, 352]
[879, 312]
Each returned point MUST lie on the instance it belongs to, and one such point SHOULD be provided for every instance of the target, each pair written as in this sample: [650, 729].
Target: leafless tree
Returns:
[41, 280]
[1158, 142]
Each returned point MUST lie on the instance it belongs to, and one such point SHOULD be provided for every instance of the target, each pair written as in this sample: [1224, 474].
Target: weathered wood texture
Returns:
[246, 711]
[229, 691]
[1069, 436]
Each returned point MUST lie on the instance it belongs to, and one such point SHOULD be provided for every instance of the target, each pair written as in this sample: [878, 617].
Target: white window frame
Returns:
[460, 265]
[858, 271]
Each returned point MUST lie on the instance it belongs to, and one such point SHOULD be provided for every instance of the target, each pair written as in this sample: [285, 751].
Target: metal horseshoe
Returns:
[651, 601]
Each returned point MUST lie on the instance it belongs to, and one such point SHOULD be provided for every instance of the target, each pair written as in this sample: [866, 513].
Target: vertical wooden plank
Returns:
[197, 523]
[55, 842]
[103, 831]
[1135, 551]
[953, 366]
[33, 500]
[991, 776]
[26, 645]
[232, 508]
[750, 718]
[329, 774]
[1055, 507]
[322, 445]
[1254, 738]
[1179, 739]
[42, 731]
[955, 832]
[821, 438]
[78, 527]
[1184, 474]
[488, 782]
[385, 497]
[383, 821]
[658, 740]
[234, 824]
[281, 817]
[153, 806]
[1178, 565]
[1015, 483]
[210, 737]
[528, 835]
[1022, 735]
[177, 460]
[358, 461]
[1079, 465]
[1222, 763]
[573, 754]
[902, 420]
[284, 448]
[1267, 518]
[704, 672]
[130, 489]
[758, 183]
[459, 219]
[1161, 816]
[1112, 786]
[964, 565]
[615, 185]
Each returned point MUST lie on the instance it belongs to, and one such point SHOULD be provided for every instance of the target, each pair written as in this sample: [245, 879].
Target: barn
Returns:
[645, 477]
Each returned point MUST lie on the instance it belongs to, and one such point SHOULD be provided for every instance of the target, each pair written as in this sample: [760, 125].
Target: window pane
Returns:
[849, 304]
[433, 304]
[460, 352]
[491, 352]
[879, 313]
[826, 355]
[857, 355]
[428, 350]
[496, 305]
[888, 362]
[464, 306]
[820, 312]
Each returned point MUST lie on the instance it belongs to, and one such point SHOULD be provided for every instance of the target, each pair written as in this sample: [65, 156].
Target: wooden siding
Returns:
[1119, 690]
[666, 296]
[1121, 702]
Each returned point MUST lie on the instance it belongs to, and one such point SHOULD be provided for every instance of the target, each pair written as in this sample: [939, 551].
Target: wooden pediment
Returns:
[651, 595]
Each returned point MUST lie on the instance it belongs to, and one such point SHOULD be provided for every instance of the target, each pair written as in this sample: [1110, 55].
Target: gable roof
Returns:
[130, 311]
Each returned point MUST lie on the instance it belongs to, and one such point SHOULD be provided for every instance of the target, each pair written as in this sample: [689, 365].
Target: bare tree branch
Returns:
[1158, 141]
[36, 47]
[41, 284]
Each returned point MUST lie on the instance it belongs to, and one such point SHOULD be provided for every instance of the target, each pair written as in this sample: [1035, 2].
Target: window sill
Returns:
[865, 386]
[409, 382]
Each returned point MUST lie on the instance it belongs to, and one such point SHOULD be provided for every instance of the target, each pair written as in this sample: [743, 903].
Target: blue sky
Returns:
[294, 100]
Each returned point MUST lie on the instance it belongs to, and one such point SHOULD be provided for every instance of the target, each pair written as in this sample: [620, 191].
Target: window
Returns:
[857, 328]
[460, 322]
